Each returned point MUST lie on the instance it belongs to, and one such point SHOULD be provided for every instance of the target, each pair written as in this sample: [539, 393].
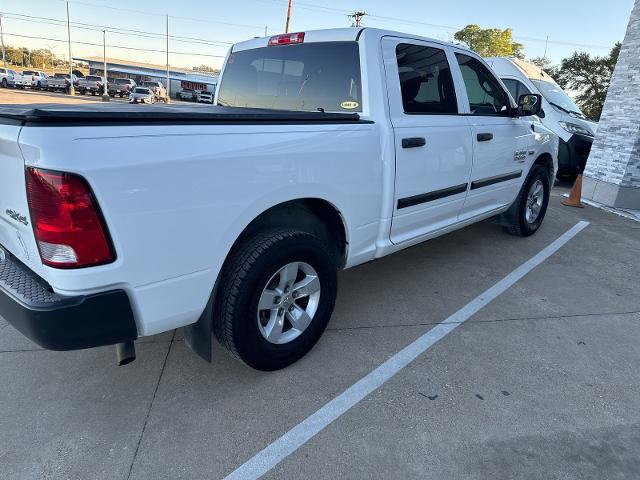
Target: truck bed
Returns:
[119, 113]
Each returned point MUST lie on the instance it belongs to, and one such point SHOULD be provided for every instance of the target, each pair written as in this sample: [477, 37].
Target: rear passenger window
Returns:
[486, 95]
[425, 80]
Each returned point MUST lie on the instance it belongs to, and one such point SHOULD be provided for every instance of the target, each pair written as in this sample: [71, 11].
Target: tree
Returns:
[490, 42]
[205, 68]
[542, 62]
[14, 55]
[589, 76]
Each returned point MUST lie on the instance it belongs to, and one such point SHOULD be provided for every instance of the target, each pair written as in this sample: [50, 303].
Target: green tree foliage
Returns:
[542, 62]
[589, 76]
[23, 57]
[490, 42]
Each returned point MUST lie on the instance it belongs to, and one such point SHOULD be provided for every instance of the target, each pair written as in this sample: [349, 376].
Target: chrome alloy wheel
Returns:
[288, 302]
[534, 201]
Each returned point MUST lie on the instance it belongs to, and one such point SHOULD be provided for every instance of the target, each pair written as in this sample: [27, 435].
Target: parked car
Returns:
[187, 94]
[158, 90]
[7, 78]
[205, 97]
[559, 112]
[39, 79]
[142, 95]
[121, 87]
[61, 82]
[92, 84]
[329, 149]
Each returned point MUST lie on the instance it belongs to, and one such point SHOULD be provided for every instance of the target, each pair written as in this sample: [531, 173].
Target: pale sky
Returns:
[202, 30]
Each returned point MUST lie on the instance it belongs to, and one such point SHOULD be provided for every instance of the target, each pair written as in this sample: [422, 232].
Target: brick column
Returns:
[612, 175]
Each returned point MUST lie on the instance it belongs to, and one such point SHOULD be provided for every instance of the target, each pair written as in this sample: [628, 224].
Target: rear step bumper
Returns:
[59, 322]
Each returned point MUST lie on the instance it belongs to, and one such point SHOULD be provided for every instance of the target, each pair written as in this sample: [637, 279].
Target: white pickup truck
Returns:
[325, 150]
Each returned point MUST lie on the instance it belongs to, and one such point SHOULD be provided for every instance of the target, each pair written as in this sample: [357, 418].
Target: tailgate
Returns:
[16, 234]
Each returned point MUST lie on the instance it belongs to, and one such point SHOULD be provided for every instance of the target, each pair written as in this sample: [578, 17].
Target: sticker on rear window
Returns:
[349, 105]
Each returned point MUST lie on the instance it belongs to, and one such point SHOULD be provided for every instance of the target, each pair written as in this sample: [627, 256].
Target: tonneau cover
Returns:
[117, 113]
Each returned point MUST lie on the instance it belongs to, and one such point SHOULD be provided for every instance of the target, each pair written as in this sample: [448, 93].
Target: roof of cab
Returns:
[348, 34]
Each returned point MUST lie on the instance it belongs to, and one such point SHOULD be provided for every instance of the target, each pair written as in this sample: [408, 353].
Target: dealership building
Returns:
[140, 72]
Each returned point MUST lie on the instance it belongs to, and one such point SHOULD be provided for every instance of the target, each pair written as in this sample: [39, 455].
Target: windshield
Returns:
[142, 90]
[309, 77]
[557, 97]
[122, 81]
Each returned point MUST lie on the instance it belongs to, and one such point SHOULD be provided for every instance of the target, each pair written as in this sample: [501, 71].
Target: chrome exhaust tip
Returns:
[125, 352]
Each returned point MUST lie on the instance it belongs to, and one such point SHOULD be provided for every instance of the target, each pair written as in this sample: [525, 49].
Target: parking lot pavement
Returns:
[541, 383]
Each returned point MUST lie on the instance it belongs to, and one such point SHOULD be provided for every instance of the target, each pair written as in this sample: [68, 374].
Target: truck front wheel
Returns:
[275, 297]
[530, 207]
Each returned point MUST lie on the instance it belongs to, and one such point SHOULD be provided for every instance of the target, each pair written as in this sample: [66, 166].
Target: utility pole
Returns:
[168, 100]
[266, 30]
[356, 18]
[72, 90]
[286, 26]
[105, 87]
[4, 57]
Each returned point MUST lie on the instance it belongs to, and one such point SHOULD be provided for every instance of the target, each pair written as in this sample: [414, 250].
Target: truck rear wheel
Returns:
[276, 295]
[530, 206]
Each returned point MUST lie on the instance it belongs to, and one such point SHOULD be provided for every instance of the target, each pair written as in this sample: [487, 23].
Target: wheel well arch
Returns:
[546, 160]
[314, 215]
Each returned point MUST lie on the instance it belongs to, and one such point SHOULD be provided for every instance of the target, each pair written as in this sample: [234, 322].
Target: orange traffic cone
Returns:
[575, 195]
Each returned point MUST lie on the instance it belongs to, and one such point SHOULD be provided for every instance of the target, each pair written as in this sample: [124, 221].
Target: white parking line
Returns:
[284, 446]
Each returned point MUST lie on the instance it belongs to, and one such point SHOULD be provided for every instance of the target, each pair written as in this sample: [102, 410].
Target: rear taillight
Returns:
[67, 221]
[286, 39]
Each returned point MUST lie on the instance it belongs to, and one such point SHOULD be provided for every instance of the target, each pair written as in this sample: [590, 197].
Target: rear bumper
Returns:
[59, 322]
[572, 155]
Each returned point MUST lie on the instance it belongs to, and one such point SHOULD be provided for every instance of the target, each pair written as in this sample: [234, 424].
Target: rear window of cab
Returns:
[320, 76]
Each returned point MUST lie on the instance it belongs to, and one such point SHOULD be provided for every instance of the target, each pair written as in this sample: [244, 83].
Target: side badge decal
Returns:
[349, 105]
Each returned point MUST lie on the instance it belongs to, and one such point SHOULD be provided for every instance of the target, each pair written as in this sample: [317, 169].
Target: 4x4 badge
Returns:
[17, 217]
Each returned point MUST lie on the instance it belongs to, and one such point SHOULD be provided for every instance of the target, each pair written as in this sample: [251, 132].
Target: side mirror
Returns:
[529, 104]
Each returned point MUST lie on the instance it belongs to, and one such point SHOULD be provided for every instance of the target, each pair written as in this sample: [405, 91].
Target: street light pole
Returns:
[105, 91]
[4, 57]
[168, 99]
[72, 90]
[286, 27]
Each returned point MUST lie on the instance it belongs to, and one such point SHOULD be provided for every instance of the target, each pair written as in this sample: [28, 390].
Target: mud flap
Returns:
[198, 336]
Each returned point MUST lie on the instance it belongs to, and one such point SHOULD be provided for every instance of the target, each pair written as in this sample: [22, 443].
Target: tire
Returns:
[524, 226]
[4, 83]
[247, 273]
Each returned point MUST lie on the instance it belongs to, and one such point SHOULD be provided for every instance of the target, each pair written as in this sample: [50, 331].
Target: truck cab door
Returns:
[501, 142]
[433, 149]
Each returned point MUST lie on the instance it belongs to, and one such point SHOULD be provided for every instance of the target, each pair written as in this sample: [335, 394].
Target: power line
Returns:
[337, 11]
[116, 30]
[123, 9]
[112, 46]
